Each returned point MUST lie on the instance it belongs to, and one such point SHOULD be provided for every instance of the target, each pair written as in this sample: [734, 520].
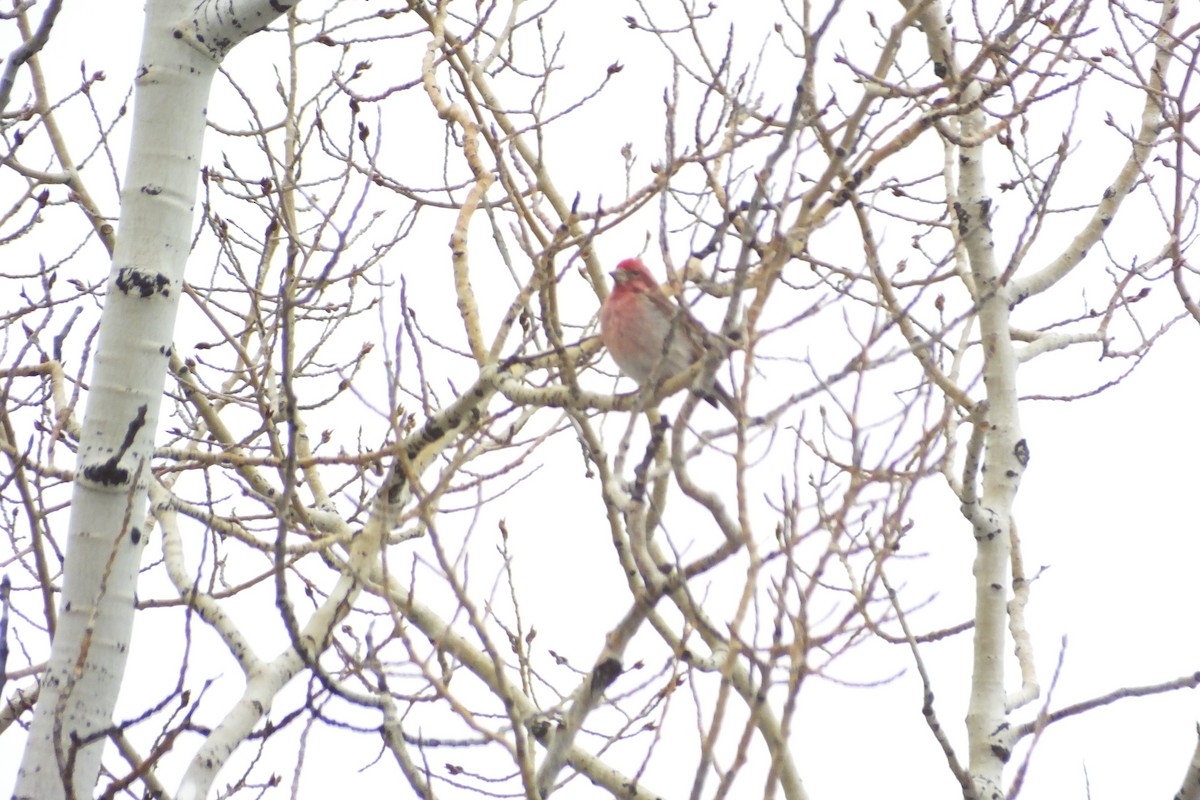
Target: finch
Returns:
[650, 337]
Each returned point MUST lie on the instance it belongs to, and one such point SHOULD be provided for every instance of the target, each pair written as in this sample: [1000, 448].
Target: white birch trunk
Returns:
[182, 46]
[1005, 456]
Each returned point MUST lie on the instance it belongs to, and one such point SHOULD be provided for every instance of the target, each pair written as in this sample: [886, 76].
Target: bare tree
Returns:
[388, 457]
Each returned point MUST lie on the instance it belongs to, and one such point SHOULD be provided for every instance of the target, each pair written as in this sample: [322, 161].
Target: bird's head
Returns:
[632, 275]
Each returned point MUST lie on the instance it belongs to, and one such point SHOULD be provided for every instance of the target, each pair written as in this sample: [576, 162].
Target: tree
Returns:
[393, 499]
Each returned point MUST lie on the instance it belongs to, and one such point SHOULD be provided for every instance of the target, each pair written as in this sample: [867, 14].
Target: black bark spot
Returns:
[134, 281]
[111, 473]
[604, 674]
[107, 474]
[540, 728]
[1021, 452]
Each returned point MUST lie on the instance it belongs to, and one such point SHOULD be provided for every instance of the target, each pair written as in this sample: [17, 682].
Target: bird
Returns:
[650, 337]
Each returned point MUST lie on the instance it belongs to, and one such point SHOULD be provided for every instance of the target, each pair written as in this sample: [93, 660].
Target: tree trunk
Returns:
[182, 46]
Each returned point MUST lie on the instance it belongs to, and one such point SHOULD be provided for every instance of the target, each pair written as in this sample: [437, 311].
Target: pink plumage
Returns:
[649, 337]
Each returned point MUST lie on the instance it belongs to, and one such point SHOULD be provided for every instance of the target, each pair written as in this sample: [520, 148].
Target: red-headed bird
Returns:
[650, 337]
